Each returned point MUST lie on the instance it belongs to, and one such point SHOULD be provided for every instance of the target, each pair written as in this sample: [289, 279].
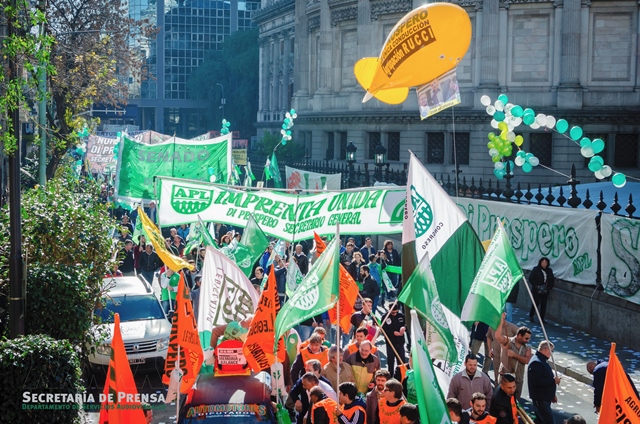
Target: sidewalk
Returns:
[573, 349]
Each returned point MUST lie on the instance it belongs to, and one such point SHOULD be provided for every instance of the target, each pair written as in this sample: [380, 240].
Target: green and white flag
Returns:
[251, 246]
[433, 223]
[274, 170]
[420, 293]
[317, 293]
[226, 295]
[294, 278]
[499, 272]
[431, 403]
[207, 238]
[140, 161]
[139, 231]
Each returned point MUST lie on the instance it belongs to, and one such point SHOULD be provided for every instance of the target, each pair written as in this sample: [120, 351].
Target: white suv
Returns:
[144, 325]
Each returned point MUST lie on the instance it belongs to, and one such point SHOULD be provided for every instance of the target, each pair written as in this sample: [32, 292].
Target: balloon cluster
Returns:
[507, 116]
[286, 126]
[225, 127]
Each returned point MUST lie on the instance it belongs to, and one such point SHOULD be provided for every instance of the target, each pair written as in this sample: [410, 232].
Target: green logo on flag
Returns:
[438, 313]
[498, 275]
[187, 200]
[422, 213]
[309, 297]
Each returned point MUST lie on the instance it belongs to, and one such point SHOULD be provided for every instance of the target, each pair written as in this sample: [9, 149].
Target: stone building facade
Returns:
[573, 59]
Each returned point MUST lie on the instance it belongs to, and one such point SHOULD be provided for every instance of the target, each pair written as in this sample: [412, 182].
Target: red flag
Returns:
[118, 403]
[348, 292]
[258, 347]
[184, 332]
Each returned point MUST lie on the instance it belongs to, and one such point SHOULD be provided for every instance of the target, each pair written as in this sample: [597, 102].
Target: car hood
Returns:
[136, 330]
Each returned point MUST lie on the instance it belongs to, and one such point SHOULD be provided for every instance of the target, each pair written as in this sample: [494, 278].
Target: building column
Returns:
[569, 89]
[325, 52]
[489, 44]
[301, 50]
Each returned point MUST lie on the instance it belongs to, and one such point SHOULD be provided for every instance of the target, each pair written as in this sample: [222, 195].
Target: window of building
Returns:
[330, 146]
[460, 146]
[373, 139]
[343, 145]
[434, 147]
[626, 151]
[393, 146]
[541, 146]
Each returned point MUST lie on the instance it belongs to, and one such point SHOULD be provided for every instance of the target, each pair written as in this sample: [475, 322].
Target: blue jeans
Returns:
[508, 308]
[543, 410]
[167, 306]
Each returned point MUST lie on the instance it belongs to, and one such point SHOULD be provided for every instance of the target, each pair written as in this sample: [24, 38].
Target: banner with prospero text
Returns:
[142, 160]
[621, 257]
[568, 237]
[299, 179]
[282, 215]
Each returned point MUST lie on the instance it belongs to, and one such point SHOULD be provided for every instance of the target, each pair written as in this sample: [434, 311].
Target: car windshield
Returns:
[131, 308]
[228, 413]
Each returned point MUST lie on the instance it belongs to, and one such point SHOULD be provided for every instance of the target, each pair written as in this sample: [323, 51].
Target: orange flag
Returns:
[118, 401]
[259, 346]
[348, 293]
[619, 400]
[184, 332]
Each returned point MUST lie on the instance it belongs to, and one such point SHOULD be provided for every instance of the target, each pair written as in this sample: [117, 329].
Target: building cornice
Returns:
[277, 8]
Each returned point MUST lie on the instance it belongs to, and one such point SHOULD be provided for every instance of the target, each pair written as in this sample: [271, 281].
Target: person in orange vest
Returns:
[315, 350]
[390, 404]
[409, 414]
[353, 409]
[320, 331]
[477, 412]
[380, 378]
[361, 335]
[503, 403]
[322, 407]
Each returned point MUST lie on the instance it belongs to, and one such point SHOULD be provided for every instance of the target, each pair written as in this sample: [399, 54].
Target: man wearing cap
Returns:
[395, 327]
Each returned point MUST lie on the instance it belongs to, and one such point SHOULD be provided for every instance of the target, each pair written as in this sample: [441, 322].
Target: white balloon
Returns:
[485, 100]
[519, 160]
[516, 121]
[493, 152]
[212, 178]
[507, 108]
[499, 165]
[551, 121]
[491, 110]
[511, 136]
[499, 105]
[541, 119]
[587, 152]
[606, 171]
[534, 161]
[599, 175]
[494, 124]
[535, 125]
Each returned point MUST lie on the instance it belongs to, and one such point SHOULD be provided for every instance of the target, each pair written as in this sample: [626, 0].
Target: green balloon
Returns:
[562, 126]
[597, 145]
[575, 133]
[619, 180]
[517, 111]
[529, 119]
[585, 141]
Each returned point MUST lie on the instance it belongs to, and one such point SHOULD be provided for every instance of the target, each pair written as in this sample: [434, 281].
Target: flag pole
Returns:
[337, 324]
[544, 330]
[178, 389]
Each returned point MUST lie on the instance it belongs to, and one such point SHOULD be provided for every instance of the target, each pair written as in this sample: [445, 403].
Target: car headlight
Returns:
[163, 344]
[104, 349]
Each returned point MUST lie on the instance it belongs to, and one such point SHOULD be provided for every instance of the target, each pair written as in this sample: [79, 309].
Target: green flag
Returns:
[317, 293]
[139, 231]
[294, 278]
[431, 403]
[207, 238]
[275, 171]
[251, 246]
[498, 273]
[421, 294]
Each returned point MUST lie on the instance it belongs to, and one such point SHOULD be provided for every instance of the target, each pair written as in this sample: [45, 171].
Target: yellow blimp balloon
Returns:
[424, 44]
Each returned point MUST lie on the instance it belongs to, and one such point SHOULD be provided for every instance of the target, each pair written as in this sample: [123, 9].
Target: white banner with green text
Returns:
[282, 215]
[621, 257]
[568, 237]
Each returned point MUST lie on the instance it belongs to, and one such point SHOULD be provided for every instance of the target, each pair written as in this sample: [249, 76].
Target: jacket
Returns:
[354, 412]
[503, 407]
[297, 369]
[323, 411]
[370, 288]
[330, 371]
[363, 369]
[537, 279]
[462, 387]
[542, 385]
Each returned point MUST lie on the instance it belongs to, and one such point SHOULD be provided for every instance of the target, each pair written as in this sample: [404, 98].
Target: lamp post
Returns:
[351, 159]
[223, 101]
[380, 158]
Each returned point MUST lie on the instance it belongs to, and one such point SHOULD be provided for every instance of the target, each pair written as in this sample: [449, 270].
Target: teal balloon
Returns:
[529, 111]
[619, 180]
[527, 167]
[529, 119]
[521, 153]
[499, 173]
[597, 159]
[284, 142]
[517, 111]
[292, 111]
[228, 124]
[594, 165]
[575, 133]
[284, 127]
[562, 126]
[597, 145]
[498, 116]
[80, 151]
[211, 171]
[79, 162]
[503, 98]
[585, 141]
[119, 134]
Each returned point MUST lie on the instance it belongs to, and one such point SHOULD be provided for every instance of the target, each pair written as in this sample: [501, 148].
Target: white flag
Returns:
[226, 295]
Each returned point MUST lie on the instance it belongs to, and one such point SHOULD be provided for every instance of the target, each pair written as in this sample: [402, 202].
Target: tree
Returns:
[236, 67]
[96, 51]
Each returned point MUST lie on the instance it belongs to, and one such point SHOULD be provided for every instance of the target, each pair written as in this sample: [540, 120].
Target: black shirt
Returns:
[501, 407]
[392, 324]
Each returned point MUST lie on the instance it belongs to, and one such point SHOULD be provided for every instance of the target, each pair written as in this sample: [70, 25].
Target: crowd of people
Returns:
[349, 379]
